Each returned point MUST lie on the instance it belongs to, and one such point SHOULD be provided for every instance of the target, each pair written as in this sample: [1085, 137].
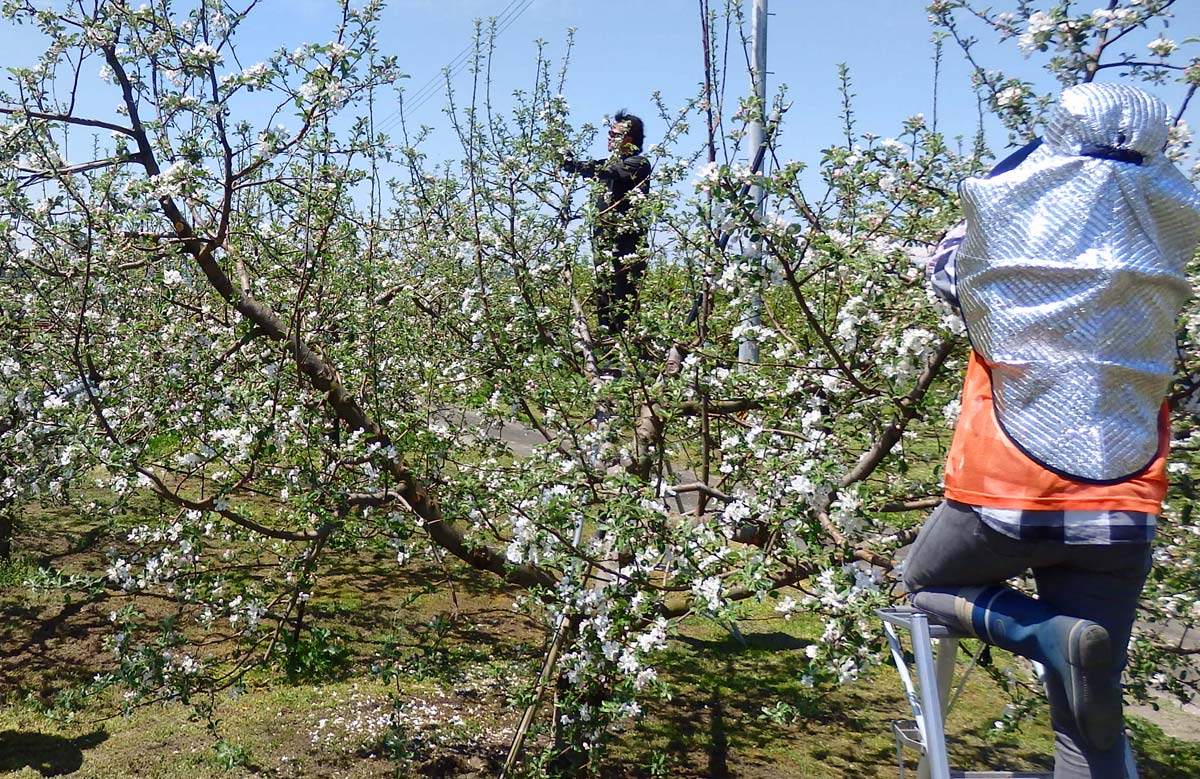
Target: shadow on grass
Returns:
[718, 715]
[744, 710]
[50, 646]
[48, 755]
[75, 544]
[979, 750]
[777, 641]
[718, 738]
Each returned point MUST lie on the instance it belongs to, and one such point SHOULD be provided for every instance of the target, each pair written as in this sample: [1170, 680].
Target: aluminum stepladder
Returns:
[928, 694]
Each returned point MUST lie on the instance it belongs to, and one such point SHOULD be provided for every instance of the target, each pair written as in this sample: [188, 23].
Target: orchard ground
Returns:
[465, 663]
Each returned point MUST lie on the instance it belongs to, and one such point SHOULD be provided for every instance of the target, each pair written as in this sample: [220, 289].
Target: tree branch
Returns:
[907, 410]
[68, 119]
[321, 375]
[83, 167]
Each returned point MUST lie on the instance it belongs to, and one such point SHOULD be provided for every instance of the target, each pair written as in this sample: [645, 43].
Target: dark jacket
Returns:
[621, 176]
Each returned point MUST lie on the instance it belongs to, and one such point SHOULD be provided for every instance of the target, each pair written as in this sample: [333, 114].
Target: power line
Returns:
[500, 26]
[433, 86]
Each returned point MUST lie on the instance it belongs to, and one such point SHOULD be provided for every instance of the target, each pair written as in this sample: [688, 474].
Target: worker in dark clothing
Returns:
[619, 233]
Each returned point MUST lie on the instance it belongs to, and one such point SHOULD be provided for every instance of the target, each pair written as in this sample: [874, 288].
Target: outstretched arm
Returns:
[628, 169]
[587, 168]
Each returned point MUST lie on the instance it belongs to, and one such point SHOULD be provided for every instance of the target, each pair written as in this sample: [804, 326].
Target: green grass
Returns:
[15, 571]
[462, 663]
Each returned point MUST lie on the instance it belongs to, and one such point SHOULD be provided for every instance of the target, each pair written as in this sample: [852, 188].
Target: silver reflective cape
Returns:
[1071, 278]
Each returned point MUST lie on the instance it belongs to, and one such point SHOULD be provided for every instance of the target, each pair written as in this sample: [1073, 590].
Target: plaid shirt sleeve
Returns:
[940, 268]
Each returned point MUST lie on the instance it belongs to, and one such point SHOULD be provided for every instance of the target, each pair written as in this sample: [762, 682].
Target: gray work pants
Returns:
[1100, 582]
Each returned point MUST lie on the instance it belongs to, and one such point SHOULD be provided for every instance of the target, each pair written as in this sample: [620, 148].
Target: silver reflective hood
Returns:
[1071, 278]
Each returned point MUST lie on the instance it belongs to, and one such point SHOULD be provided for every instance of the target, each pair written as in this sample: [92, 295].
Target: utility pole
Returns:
[748, 346]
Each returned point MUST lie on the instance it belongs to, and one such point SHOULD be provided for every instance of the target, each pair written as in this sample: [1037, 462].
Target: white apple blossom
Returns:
[1162, 47]
[204, 54]
[1010, 96]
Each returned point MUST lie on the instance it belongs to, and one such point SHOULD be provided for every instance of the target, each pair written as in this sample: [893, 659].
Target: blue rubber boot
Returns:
[1077, 651]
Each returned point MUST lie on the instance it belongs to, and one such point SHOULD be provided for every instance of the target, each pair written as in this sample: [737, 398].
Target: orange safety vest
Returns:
[985, 468]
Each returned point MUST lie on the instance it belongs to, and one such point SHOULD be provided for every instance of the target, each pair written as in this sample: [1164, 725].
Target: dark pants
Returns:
[619, 270]
[1100, 582]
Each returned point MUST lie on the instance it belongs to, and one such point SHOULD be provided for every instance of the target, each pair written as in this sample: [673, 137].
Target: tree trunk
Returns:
[6, 529]
[8, 512]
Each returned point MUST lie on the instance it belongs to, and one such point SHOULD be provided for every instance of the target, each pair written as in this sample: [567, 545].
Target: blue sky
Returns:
[626, 49]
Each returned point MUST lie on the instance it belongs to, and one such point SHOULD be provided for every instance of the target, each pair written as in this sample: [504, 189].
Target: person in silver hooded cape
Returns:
[1070, 278]
[1073, 277]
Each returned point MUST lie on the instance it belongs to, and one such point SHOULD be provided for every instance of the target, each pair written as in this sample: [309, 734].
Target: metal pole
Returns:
[748, 346]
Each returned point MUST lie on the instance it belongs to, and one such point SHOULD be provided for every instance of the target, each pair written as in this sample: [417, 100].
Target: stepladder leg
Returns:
[934, 763]
[946, 656]
[928, 678]
[944, 663]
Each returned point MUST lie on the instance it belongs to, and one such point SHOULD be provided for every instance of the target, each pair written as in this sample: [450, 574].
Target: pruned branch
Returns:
[34, 176]
[906, 412]
[916, 504]
[704, 489]
[68, 119]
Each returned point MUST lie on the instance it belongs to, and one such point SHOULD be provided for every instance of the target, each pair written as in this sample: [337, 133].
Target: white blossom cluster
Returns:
[845, 597]
[907, 353]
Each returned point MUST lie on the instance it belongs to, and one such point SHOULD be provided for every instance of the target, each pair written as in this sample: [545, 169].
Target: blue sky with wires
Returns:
[626, 50]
